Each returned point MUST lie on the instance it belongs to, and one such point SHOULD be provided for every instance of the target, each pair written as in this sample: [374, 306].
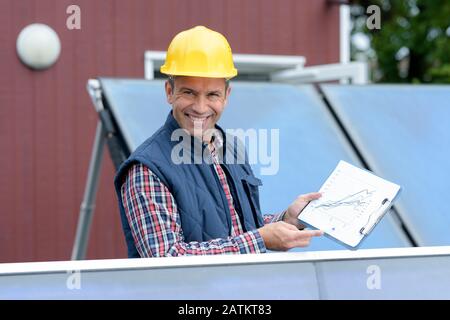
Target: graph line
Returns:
[356, 200]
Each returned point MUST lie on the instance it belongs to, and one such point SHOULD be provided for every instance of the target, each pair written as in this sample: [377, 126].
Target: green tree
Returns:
[413, 42]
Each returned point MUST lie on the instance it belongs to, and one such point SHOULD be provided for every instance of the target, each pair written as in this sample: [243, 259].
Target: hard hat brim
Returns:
[201, 74]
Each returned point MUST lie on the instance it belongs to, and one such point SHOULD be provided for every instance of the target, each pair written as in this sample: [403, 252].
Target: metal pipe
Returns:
[90, 193]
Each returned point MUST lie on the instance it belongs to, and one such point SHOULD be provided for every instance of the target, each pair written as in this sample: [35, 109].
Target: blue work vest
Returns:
[194, 184]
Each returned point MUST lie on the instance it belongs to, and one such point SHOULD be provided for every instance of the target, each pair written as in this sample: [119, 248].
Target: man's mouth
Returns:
[198, 121]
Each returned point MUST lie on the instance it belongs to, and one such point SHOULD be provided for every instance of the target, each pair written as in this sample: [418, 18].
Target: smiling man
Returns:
[173, 208]
[191, 114]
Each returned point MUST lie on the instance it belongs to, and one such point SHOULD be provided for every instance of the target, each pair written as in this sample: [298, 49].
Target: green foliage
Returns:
[418, 28]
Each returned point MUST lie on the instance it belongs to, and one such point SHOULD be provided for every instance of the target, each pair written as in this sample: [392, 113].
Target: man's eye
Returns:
[213, 95]
[188, 92]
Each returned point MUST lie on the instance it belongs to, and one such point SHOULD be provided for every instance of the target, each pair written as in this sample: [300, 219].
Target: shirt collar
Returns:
[216, 140]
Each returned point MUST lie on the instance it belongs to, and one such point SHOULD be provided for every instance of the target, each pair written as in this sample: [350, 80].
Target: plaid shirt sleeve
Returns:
[271, 218]
[155, 222]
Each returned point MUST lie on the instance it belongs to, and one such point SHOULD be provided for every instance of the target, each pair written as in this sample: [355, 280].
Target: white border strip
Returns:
[344, 33]
[200, 261]
[245, 63]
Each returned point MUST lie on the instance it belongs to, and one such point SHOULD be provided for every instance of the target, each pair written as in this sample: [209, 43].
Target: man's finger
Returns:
[310, 196]
[312, 233]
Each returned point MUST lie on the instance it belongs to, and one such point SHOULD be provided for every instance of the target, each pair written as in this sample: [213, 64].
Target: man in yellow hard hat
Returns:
[207, 203]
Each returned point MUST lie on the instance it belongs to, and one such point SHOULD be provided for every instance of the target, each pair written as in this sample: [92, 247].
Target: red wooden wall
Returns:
[47, 121]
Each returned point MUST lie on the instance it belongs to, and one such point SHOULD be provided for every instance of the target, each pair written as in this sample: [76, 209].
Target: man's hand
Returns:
[284, 236]
[293, 211]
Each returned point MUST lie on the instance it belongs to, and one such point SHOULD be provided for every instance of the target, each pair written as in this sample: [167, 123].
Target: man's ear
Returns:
[227, 93]
[169, 92]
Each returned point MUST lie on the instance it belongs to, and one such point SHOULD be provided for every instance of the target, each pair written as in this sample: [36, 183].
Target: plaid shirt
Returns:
[155, 223]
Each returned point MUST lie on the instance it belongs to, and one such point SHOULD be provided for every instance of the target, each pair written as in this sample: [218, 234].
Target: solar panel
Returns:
[309, 142]
[138, 106]
[402, 131]
[406, 273]
[220, 282]
[390, 278]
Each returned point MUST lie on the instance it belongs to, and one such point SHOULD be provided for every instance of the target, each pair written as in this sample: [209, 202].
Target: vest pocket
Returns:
[251, 184]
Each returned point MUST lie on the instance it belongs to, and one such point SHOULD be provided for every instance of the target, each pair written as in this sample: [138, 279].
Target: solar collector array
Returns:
[310, 141]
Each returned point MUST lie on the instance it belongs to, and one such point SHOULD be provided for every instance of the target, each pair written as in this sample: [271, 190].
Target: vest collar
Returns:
[196, 145]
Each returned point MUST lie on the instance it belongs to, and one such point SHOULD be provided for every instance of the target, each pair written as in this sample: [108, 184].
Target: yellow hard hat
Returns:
[199, 52]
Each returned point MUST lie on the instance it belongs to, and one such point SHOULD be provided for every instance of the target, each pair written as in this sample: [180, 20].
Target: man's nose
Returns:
[201, 105]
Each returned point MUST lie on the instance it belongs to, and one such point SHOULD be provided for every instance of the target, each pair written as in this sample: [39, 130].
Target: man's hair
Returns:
[171, 80]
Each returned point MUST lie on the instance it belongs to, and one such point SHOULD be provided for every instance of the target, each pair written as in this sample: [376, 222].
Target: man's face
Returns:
[197, 102]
